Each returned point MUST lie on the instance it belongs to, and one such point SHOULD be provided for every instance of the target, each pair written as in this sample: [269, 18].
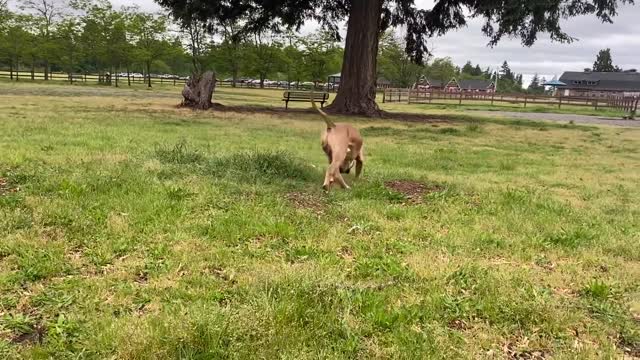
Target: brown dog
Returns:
[343, 145]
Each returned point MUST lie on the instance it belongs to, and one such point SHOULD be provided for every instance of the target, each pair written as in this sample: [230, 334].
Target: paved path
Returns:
[563, 118]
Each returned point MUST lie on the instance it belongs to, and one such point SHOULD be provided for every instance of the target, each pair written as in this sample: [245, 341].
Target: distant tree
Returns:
[534, 87]
[18, 42]
[442, 69]
[477, 71]
[67, 38]
[506, 72]
[149, 33]
[46, 13]
[519, 80]
[294, 64]
[322, 55]
[603, 62]
[264, 55]
[394, 64]
[468, 68]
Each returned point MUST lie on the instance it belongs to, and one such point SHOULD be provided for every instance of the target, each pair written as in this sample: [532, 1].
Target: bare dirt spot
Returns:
[631, 349]
[412, 190]
[513, 352]
[459, 325]
[6, 187]
[34, 337]
[304, 201]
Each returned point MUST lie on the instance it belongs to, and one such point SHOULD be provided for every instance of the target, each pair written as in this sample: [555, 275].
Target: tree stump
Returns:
[198, 91]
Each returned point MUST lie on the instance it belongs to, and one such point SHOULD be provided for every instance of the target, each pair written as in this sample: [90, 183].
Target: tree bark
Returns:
[149, 73]
[357, 91]
[128, 76]
[198, 91]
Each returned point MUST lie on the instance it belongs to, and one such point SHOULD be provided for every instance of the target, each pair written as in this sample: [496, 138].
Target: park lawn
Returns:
[131, 229]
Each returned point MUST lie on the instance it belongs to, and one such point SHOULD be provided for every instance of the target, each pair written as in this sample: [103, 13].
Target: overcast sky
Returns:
[545, 58]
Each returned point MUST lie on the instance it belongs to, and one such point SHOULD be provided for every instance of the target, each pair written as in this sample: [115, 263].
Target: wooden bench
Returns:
[304, 96]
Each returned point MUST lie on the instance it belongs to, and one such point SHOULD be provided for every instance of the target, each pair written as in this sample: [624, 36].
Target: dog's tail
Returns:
[330, 124]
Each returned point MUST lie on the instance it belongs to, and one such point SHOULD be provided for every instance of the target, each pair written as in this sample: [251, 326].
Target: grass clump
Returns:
[180, 153]
[256, 166]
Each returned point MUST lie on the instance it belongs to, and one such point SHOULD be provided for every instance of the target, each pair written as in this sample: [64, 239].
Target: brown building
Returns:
[472, 85]
[600, 84]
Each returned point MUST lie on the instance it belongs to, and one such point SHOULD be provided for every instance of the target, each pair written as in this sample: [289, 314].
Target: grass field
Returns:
[130, 229]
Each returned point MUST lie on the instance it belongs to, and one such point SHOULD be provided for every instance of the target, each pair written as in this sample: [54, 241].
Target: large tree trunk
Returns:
[198, 91]
[357, 91]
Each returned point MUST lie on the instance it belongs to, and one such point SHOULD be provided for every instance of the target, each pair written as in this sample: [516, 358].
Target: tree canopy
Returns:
[604, 62]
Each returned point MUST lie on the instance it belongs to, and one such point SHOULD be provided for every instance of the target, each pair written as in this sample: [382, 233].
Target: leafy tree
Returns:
[604, 63]
[265, 56]
[535, 87]
[321, 55]
[442, 69]
[477, 71]
[506, 72]
[229, 56]
[18, 42]
[468, 68]
[46, 14]
[367, 19]
[294, 64]
[67, 38]
[148, 32]
[394, 64]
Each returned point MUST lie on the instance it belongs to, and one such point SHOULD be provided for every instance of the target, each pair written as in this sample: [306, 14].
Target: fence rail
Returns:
[139, 79]
[413, 96]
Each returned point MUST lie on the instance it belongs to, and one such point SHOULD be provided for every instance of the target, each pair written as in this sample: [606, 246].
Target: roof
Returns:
[437, 83]
[627, 81]
[474, 84]
[554, 83]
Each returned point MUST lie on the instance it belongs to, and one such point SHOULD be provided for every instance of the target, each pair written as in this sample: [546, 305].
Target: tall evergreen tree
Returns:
[604, 62]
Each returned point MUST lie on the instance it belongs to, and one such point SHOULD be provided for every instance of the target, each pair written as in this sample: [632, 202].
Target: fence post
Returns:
[492, 96]
[525, 100]
[460, 102]
[559, 102]
[384, 96]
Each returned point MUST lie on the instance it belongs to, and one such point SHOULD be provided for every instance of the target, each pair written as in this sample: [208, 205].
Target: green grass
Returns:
[131, 229]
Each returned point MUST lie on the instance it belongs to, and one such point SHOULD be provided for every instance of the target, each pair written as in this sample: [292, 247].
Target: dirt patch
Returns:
[412, 190]
[304, 201]
[459, 325]
[631, 349]
[34, 337]
[6, 187]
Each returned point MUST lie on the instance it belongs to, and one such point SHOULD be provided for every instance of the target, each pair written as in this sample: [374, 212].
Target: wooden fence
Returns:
[139, 79]
[413, 96]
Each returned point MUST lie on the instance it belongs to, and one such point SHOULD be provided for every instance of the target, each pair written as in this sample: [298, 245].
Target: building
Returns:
[430, 84]
[454, 85]
[600, 84]
[471, 85]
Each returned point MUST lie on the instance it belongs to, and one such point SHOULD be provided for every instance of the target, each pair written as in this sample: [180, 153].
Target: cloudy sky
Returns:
[545, 58]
